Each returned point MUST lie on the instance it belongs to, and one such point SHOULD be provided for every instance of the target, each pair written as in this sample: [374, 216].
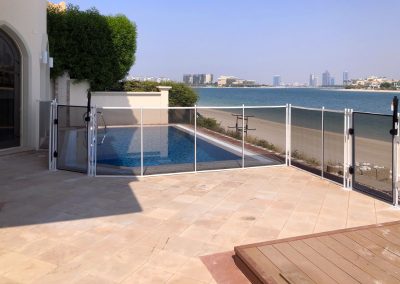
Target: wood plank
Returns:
[251, 273]
[384, 265]
[376, 249]
[357, 260]
[384, 233]
[381, 241]
[341, 262]
[367, 254]
[320, 234]
[394, 229]
[260, 265]
[318, 259]
[286, 267]
[304, 264]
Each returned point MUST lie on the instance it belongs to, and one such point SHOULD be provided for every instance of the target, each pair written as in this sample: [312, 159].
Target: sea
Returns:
[363, 101]
[367, 125]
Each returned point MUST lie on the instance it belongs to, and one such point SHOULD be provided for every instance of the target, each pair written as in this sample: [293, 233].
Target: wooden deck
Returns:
[369, 254]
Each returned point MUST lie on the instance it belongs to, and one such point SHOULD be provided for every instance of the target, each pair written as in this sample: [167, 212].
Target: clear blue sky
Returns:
[256, 39]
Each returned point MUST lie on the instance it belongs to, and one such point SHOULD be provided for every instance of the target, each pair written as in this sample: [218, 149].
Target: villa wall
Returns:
[118, 117]
[26, 23]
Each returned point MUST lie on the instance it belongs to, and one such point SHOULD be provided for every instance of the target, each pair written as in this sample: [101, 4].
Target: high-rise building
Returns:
[332, 81]
[209, 79]
[326, 79]
[345, 78]
[198, 79]
[188, 79]
[313, 82]
[276, 81]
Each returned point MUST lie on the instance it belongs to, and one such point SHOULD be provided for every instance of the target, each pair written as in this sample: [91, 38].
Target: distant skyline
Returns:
[258, 39]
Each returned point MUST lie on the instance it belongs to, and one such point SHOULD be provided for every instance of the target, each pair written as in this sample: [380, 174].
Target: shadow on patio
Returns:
[30, 194]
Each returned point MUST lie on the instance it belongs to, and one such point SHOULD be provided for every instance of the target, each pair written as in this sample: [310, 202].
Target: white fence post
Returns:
[395, 170]
[290, 134]
[243, 136]
[53, 136]
[91, 141]
[195, 138]
[141, 142]
[322, 141]
[345, 149]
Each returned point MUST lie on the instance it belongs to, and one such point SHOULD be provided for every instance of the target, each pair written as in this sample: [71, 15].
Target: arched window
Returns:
[10, 95]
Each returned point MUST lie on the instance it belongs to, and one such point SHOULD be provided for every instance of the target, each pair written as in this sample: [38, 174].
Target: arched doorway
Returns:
[10, 93]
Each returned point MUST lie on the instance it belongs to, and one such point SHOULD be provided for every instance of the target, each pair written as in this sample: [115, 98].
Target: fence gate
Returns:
[373, 155]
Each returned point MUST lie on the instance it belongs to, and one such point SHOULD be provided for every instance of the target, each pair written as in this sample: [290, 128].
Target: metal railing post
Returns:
[395, 174]
[345, 141]
[350, 148]
[141, 142]
[290, 134]
[286, 135]
[243, 136]
[52, 135]
[195, 138]
[322, 142]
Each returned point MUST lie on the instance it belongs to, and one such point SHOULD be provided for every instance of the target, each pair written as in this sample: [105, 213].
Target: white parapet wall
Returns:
[115, 100]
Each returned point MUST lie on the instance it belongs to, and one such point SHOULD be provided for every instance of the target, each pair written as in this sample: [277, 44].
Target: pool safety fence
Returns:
[350, 148]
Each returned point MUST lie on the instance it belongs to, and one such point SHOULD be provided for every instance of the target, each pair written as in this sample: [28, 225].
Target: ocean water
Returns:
[367, 126]
[377, 102]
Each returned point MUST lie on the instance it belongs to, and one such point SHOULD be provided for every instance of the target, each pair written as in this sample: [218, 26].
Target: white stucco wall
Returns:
[26, 23]
[77, 97]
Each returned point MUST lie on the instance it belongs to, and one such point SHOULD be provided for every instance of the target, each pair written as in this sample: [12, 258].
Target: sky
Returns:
[256, 39]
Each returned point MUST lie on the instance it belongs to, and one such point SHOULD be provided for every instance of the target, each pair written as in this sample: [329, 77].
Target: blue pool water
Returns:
[163, 145]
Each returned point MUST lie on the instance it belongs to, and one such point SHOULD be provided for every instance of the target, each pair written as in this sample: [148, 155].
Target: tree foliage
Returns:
[179, 95]
[387, 86]
[90, 46]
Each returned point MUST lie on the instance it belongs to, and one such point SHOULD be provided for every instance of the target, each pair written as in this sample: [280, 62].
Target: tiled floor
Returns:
[62, 227]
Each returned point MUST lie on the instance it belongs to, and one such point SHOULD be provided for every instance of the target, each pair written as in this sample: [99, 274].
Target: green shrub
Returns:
[90, 46]
[179, 95]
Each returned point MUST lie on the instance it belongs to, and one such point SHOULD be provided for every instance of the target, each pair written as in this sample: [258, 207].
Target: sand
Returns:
[308, 142]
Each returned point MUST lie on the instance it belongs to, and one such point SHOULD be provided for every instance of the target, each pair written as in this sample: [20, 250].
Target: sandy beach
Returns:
[308, 142]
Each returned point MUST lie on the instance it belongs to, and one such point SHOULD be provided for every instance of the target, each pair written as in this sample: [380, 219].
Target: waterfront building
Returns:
[332, 83]
[209, 79]
[198, 79]
[326, 78]
[345, 78]
[313, 81]
[188, 79]
[276, 81]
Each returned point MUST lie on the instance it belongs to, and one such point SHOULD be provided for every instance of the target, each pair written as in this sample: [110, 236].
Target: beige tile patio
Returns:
[61, 227]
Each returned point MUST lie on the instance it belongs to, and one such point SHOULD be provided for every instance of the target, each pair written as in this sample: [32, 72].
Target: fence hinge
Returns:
[56, 121]
[351, 131]
[351, 170]
[55, 154]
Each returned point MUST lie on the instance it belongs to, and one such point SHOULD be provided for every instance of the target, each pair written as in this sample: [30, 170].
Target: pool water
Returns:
[162, 145]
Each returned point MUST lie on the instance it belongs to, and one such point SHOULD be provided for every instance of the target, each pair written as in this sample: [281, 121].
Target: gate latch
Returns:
[55, 154]
[351, 170]
[56, 121]
[351, 131]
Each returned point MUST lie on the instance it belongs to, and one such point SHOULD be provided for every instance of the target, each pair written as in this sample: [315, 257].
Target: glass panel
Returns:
[118, 142]
[168, 141]
[373, 154]
[333, 145]
[306, 137]
[44, 124]
[72, 139]
[265, 136]
[219, 139]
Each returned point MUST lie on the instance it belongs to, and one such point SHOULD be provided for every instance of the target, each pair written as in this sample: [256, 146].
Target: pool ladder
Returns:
[100, 117]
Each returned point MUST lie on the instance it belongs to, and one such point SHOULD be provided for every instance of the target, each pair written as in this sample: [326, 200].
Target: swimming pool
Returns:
[165, 149]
